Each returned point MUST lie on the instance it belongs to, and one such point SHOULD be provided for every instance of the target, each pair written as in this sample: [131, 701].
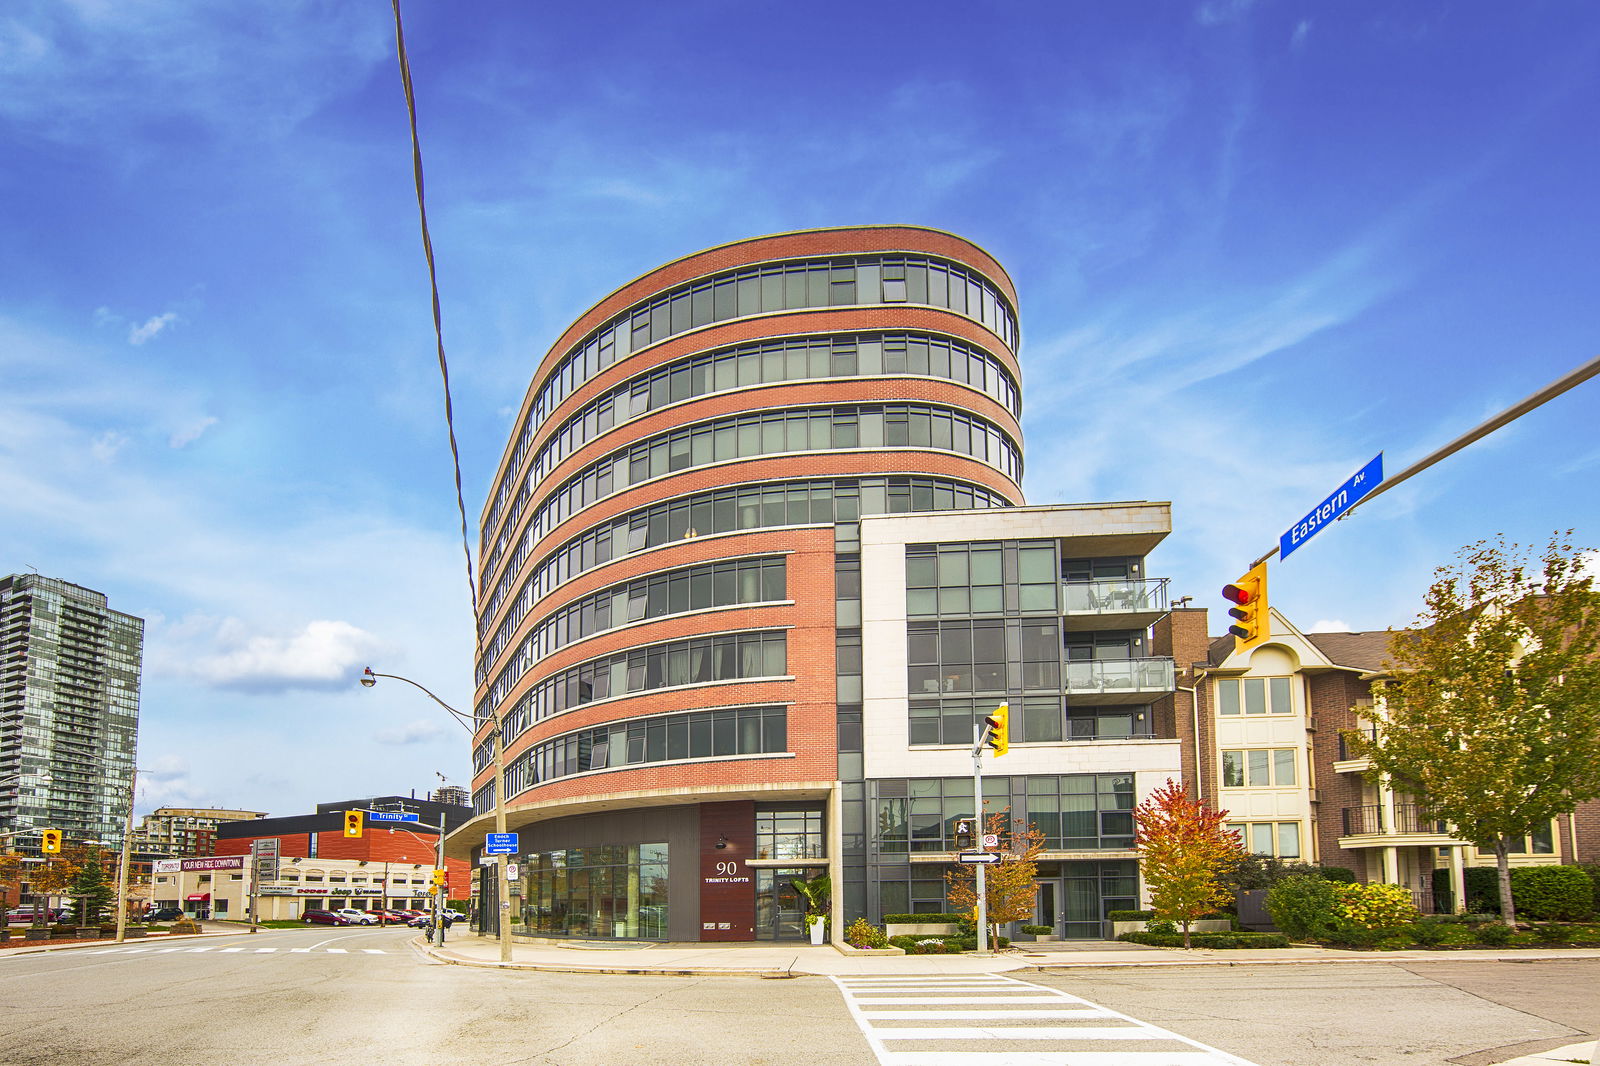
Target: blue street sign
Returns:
[1343, 498]
[500, 844]
[393, 816]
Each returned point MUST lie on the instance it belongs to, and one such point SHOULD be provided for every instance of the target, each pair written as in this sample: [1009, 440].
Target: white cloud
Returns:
[1302, 30]
[106, 446]
[1329, 625]
[190, 432]
[1221, 12]
[419, 732]
[137, 335]
[324, 654]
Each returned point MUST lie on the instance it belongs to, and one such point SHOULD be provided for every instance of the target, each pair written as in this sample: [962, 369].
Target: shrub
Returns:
[1551, 933]
[1208, 940]
[862, 934]
[1552, 893]
[1302, 906]
[1374, 906]
[1351, 935]
[1483, 889]
[1429, 932]
[1163, 926]
[923, 919]
[1593, 870]
[1337, 874]
[1038, 930]
[1130, 916]
[1494, 934]
[931, 946]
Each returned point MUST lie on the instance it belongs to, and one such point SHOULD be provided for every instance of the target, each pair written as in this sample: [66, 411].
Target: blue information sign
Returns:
[500, 844]
[1343, 498]
[393, 816]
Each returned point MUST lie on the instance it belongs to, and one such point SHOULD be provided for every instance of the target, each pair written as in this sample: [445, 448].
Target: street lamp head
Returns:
[368, 679]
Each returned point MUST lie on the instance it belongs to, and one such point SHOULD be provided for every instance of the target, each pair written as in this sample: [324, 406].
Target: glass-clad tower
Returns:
[69, 710]
[684, 633]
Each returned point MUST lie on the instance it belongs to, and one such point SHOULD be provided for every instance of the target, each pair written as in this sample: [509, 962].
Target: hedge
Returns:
[1130, 916]
[1209, 940]
[1552, 893]
[914, 945]
[925, 919]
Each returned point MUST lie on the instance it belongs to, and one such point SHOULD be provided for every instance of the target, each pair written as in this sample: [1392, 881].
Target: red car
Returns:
[315, 917]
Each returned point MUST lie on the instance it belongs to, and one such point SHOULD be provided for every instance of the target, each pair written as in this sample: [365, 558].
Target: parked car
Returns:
[27, 912]
[425, 921]
[163, 914]
[320, 917]
[358, 917]
[455, 915]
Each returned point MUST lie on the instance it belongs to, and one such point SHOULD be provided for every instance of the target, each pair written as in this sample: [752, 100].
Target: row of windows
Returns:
[961, 655]
[980, 578]
[1258, 768]
[1073, 811]
[696, 735]
[1034, 719]
[1281, 839]
[757, 506]
[746, 436]
[747, 366]
[699, 660]
[694, 588]
[1254, 695]
[762, 290]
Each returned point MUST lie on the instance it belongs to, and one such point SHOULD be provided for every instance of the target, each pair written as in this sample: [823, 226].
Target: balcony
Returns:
[1109, 682]
[1113, 603]
[1349, 762]
[1413, 824]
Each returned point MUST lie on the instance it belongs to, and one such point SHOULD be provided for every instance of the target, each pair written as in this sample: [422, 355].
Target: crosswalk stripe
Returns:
[374, 951]
[265, 951]
[300, 951]
[1007, 1011]
[196, 951]
[337, 951]
[233, 949]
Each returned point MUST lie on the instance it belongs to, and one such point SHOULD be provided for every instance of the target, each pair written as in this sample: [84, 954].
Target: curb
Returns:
[72, 945]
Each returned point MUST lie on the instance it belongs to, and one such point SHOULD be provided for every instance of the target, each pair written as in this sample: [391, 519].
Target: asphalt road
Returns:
[341, 995]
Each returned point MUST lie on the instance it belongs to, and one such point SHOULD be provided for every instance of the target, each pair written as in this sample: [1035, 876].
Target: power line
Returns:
[433, 283]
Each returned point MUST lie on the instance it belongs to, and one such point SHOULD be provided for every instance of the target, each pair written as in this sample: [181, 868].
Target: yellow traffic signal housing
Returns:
[354, 823]
[52, 841]
[997, 726]
[441, 879]
[1249, 597]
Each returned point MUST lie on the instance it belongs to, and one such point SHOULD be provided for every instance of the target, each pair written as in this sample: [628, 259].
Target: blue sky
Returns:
[1256, 244]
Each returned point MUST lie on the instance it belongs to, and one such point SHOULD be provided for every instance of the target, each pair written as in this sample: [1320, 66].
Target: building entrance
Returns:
[780, 910]
[1077, 901]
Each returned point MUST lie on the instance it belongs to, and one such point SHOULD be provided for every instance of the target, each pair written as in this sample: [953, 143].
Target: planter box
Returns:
[846, 949]
[1045, 938]
[133, 931]
[92, 934]
[36, 934]
[920, 929]
[1213, 925]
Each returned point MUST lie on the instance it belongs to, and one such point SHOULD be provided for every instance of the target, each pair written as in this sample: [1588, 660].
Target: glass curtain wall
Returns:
[613, 891]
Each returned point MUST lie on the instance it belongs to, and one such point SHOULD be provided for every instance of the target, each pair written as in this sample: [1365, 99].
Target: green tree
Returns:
[92, 889]
[1185, 855]
[1491, 716]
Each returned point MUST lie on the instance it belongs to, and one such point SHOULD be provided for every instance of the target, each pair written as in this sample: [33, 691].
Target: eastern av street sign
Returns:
[1343, 498]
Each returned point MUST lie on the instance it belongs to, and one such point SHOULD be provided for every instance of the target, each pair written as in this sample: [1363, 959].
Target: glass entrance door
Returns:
[1044, 905]
[780, 910]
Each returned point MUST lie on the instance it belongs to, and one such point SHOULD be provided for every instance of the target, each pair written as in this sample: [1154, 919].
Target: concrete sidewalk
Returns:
[796, 960]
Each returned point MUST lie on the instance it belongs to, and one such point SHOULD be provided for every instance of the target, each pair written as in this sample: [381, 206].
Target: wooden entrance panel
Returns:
[727, 886]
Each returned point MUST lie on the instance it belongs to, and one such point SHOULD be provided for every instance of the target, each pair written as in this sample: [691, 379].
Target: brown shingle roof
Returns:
[1364, 651]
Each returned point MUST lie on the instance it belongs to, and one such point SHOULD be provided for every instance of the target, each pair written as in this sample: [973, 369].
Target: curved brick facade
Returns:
[891, 432]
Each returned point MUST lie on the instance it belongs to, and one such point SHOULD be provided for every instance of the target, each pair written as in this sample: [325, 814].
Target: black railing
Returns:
[1415, 818]
[1345, 752]
[1358, 820]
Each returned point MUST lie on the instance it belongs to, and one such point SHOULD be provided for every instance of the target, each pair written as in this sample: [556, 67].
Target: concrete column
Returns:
[1458, 879]
[1391, 866]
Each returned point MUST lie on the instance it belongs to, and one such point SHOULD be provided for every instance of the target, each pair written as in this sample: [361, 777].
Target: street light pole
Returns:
[369, 678]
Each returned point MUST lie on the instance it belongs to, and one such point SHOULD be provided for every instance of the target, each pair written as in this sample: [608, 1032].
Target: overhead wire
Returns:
[433, 282]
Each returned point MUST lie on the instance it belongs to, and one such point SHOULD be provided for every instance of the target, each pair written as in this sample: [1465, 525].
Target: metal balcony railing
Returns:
[1114, 595]
[1117, 676]
[1359, 820]
[1369, 732]
[1415, 818]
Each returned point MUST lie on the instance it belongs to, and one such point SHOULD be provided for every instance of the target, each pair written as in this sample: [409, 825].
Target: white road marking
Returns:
[1002, 1000]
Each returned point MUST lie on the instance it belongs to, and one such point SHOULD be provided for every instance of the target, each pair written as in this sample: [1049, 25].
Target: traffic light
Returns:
[52, 841]
[997, 729]
[440, 880]
[354, 823]
[963, 833]
[1249, 611]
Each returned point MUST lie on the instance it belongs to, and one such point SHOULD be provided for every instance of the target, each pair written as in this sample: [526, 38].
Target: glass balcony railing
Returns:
[1114, 595]
[1112, 677]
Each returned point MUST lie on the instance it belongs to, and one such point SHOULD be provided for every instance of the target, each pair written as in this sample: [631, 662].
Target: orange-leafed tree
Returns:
[1010, 885]
[1184, 853]
[10, 881]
